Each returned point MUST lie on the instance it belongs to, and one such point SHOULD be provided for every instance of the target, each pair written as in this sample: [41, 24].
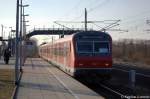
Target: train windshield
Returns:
[92, 48]
[101, 47]
[85, 47]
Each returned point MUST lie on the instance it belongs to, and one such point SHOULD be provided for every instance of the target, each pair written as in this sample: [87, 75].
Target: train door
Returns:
[65, 53]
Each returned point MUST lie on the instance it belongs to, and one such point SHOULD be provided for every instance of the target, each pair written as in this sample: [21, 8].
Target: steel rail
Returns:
[113, 91]
[140, 74]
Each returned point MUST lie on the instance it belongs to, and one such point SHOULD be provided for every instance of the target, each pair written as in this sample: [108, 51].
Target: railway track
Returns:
[121, 88]
[110, 93]
[137, 73]
[108, 90]
[119, 95]
[142, 79]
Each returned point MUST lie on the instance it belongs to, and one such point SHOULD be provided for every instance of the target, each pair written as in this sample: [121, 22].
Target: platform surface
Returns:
[40, 80]
[11, 64]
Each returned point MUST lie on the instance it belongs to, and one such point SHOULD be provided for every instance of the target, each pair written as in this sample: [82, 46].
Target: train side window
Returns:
[70, 46]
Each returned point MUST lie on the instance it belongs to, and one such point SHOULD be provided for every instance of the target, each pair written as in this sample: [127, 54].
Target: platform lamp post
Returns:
[1, 38]
[24, 39]
[22, 32]
[16, 45]
[20, 38]
[13, 32]
[10, 39]
[10, 32]
[24, 22]
[24, 25]
[25, 29]
[2, 30]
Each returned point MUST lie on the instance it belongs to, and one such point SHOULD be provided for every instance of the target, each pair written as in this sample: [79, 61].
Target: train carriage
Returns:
[84, 52]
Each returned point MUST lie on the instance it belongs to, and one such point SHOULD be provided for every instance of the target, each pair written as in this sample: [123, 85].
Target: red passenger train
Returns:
[87, 52]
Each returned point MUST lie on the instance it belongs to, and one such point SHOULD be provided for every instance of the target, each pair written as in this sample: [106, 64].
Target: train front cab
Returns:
[93, 54]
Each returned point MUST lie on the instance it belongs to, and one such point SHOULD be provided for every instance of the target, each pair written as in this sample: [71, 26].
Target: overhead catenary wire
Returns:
[125, 19]
[98, 5]
[109, 28]
[111, 23]
[74, 7]
[97, 26]
[104, 21]
[137, 15]
[119, 30]
[82, 14]
[133, 19]
[92, 8]
[62, 25]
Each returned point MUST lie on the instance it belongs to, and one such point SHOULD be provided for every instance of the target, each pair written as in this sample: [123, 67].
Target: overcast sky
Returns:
[132, 13]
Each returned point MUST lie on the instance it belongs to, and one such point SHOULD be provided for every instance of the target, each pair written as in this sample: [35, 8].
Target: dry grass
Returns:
[132, 51]
[6, 83]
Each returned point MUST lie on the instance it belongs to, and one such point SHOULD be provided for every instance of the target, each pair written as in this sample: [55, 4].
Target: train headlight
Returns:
[106, 64]
[80, 64]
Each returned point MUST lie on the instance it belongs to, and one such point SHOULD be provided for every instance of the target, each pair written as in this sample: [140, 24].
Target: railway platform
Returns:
[40, 80]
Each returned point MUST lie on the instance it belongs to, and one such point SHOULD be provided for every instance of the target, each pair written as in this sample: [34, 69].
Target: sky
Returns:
[132, 13]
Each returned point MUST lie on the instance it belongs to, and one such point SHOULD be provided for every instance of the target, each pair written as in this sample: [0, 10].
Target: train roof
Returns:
[70, 37]
[91, 33]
